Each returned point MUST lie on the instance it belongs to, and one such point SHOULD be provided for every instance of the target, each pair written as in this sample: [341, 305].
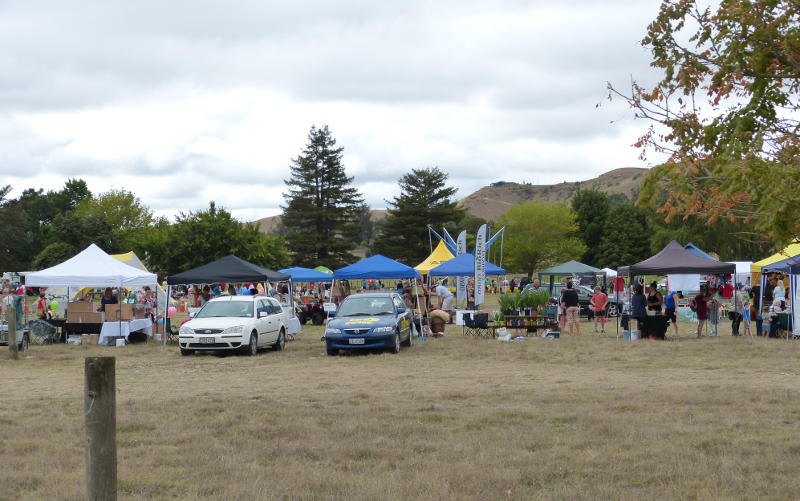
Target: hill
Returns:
[491, 201]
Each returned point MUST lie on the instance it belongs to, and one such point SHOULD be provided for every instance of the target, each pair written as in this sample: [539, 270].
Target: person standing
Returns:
[654, 299]
[736, 311]
[108, 298]
[755, 307]
[670, 308]
[599, 303]
[569, 298]
[701, 308]
[638, 306]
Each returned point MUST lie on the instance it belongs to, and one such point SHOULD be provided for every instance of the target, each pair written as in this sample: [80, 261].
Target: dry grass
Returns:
[452, 418]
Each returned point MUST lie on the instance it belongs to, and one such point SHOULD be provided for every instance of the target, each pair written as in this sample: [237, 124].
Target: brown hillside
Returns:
[491, 201]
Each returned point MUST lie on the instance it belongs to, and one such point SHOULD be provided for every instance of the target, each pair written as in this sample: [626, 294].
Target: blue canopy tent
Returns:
[376, 266]
[379, 267]
[697, 251]
[789, 266]
[299, 274]
[463, 266]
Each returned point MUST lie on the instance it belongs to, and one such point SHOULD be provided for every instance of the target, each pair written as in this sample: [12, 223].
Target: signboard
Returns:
[480, 264]
[328, 307]
[461, 289]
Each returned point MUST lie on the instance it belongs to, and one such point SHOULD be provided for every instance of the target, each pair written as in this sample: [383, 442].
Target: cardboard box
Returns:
[80, 306]
[84, 339]
[94, 338]
[116, 312]
[92, 318]
[73, 317]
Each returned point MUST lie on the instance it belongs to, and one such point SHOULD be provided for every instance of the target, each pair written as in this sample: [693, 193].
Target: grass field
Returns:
[451, 418]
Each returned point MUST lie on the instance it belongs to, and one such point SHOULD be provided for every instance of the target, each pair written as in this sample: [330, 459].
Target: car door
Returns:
[274, 319]
[262, 322]
[402, 319]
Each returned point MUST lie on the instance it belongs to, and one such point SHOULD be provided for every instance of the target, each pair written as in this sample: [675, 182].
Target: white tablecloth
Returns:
[111, 330]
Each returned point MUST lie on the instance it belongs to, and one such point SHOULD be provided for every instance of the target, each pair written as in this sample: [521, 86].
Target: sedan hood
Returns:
[216, 322]
[362, 322]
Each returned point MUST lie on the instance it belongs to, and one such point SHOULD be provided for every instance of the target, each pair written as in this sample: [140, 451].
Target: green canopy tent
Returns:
[570, 268]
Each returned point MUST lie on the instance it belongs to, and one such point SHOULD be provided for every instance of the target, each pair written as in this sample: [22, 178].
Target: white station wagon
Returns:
[236, 322]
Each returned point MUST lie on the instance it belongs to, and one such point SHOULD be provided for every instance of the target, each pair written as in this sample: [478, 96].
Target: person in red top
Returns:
[41, 307]
[599, 303]
[701, 308]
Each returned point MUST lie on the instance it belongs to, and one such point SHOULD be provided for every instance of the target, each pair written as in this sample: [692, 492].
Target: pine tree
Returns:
[591, 207]
[424, 199]
[626, 237]
[322, 210]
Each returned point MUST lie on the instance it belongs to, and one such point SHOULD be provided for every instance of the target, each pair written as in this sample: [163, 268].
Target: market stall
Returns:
[232, 269]
[573, 269]
[440, 255]
[674, 259]
[90, 268]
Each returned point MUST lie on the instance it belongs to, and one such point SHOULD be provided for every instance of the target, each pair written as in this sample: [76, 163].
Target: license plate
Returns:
[207, 340]
[357, 340]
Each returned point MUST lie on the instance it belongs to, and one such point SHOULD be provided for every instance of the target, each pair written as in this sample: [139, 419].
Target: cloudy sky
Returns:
[183, 102]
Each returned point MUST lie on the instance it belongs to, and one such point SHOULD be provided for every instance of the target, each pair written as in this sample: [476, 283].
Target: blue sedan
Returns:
[372, 320]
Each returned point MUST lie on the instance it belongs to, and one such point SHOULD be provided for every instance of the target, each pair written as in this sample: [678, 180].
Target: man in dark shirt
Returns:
[569, 299]
[755, 308]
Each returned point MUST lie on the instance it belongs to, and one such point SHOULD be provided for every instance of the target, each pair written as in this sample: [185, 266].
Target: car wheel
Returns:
[317, 318]
[332, 352]
[612, 310]
[410, 339]
[302, 319]
[186, 353]
[252, 346]
[396, 347]
[281, 343]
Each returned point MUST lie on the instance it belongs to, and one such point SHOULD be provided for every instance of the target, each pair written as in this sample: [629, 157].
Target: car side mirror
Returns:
[401, 310]
[331, 314]
[262, 314]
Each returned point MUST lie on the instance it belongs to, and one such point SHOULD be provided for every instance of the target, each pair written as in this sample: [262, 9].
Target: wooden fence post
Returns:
[11, 317]
[100, 408]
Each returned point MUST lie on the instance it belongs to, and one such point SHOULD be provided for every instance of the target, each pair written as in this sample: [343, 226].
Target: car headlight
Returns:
[233, 330]
[186, 330]
[332, 330]
[380, 330]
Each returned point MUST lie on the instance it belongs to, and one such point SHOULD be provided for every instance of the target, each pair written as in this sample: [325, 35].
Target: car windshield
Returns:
[365, 306]
[226, 309]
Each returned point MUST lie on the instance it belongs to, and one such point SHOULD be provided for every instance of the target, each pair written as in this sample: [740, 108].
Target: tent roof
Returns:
[376, 266]
[229, 269]
[569, 268]
[131, 259]
[697, 251]
[791, 251]
[306, 275]
[463, 266]
[609, 272]
[674, 259]
[90, 268]
[439, 255]
[782, 266]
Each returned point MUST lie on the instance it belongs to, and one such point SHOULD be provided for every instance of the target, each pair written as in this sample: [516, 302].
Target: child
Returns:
[745, 311]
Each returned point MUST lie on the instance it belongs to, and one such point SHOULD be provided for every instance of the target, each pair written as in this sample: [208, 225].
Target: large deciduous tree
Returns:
[123, 210]
[200, 237]
[626, 237]
[726, 112]
[424, 199]
[322, 211]
[539, 235]
[591, 208]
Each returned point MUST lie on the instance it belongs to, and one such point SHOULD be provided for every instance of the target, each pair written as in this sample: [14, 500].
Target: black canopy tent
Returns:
[675, 259]
[229, 269]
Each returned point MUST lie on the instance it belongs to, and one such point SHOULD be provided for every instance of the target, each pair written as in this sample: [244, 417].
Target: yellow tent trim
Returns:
[439, 255]
[755, 269]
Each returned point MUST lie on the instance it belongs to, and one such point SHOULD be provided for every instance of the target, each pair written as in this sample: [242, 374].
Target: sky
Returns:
[184, 102]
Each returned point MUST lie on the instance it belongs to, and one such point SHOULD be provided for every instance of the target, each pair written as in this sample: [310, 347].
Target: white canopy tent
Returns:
[91, 268]
[609, 272]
